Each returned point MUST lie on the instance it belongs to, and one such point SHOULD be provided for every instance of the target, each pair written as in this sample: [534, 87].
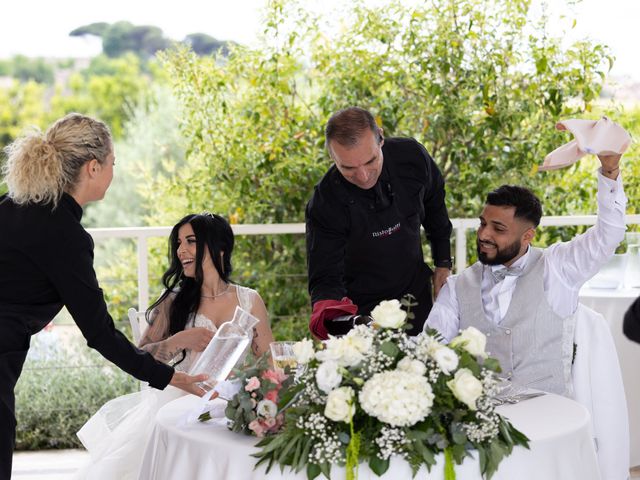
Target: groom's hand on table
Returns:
[188, 383]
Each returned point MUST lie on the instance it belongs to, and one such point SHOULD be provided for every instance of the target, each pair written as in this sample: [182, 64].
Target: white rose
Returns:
[327, 376]
[412, 366]
[466, 387]
[332, 349]
[303, 350]
[446, 359]
[361, 337]
[472, 340]
[267, 409]
[340, 405]
[346, 351]
[389, 314]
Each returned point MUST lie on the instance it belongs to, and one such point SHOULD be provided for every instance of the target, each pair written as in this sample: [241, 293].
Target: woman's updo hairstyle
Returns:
[41, 167]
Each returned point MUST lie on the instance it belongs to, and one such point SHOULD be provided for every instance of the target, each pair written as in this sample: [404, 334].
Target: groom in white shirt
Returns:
[524, 298]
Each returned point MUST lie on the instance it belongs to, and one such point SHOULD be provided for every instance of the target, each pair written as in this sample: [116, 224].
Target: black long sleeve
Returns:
[326, 236]
[436, 223]
[46, 261]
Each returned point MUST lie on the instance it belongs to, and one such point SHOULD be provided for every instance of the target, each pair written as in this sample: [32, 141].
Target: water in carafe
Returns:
[226, 349]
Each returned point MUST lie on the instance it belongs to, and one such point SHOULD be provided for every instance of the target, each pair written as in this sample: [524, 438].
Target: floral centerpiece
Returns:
[253, 407]
[375, 393]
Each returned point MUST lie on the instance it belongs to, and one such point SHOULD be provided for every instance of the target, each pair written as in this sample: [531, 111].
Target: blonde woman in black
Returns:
[46, 258]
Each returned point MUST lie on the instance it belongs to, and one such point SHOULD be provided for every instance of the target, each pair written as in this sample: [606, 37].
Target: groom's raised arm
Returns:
[576, 261]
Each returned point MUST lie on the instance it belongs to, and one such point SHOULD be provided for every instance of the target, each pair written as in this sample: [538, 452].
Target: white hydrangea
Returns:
[396, 397]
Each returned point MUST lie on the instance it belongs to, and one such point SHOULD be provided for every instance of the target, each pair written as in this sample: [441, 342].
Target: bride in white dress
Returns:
[198, 299]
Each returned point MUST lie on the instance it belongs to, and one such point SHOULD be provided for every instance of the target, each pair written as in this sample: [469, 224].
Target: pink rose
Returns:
[272, 395]
[269, 422]
[275, 423]
[257, 428]
[252, 384]
[279, 421]
[274, 377]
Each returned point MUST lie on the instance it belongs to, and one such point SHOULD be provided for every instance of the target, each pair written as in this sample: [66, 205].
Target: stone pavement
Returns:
[47, 464]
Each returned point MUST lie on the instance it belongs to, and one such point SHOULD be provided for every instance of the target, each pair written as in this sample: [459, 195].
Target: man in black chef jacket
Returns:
[363, 225]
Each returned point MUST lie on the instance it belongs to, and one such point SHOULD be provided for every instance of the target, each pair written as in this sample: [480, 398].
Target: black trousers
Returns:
[14, 344]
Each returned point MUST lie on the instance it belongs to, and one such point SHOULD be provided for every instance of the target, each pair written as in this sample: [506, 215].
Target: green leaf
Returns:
[344, 437]
[378, 466]
[282, 456]
[278, 441]
[492, 364]
[426, 454]
[304, 458]
[313, 470]
[325, 468]
[390, 349]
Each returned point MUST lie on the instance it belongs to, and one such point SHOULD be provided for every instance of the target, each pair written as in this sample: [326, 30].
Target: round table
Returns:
[561, 448]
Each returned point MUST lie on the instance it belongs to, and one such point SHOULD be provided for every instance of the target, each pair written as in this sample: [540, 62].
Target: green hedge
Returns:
[60, 388]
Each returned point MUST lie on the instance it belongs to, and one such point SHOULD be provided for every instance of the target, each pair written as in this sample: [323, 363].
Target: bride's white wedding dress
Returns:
[116, 435]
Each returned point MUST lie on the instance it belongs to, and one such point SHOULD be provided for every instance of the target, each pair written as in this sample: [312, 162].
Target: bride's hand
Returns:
[195, 339]
[188, 383]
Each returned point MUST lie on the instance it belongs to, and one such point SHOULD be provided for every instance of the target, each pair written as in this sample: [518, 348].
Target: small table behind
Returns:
[561, 448]
[613, 304]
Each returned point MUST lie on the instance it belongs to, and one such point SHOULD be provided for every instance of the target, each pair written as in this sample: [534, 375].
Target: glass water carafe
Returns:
[226, 349]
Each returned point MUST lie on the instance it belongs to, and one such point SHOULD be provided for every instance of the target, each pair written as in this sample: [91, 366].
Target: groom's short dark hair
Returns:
[527, 205]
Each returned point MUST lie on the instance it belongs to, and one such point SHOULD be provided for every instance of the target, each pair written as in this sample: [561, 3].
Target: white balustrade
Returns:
[460, 227]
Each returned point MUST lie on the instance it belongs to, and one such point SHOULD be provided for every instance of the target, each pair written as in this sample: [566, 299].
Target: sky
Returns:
[41, 27]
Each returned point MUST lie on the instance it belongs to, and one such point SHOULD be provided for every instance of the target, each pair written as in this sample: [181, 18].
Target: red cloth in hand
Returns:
[328, 310]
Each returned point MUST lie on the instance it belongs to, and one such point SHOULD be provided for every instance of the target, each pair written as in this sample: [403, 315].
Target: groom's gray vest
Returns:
[533, 344]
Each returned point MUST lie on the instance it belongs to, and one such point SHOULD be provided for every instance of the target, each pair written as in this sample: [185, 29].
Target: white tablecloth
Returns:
[613, 304]
[561, 448]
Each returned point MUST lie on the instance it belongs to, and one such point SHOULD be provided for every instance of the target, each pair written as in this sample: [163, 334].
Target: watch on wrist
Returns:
[444, 263]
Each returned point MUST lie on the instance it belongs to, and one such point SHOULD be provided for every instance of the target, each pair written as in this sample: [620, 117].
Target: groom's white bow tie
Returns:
[499, 274]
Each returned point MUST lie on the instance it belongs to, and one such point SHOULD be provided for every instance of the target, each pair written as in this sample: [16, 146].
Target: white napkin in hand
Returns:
[228, 388]
[216, 407]
[597, 137]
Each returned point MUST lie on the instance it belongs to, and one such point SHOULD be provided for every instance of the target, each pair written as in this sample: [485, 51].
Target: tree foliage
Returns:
[479, 82]
[98, 29]
[203, 44]
[108, 89]
[120, 38]
[27, 69]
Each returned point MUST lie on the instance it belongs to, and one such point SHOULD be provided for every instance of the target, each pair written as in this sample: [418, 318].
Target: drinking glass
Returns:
[283, 356]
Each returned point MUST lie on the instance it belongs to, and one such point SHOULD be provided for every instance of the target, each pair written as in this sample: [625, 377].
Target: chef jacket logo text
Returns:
[387, 231]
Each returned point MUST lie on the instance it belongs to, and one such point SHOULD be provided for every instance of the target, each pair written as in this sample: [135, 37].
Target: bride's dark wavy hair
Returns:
[211, 231]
